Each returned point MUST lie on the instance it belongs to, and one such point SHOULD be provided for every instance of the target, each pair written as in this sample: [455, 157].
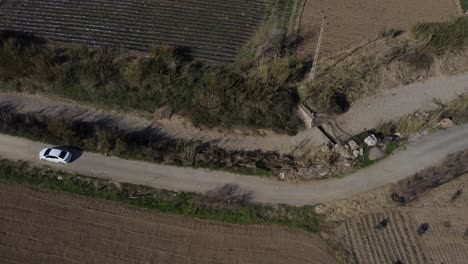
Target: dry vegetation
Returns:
[429, 50]
[454, 166]
[258, 93]
[410, 124]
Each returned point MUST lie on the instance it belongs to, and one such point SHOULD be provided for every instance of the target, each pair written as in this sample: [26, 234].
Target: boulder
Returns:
[376, 153]
[353, 145]
[371, 140]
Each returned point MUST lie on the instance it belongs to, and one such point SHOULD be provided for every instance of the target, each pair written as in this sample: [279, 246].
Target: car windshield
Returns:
[62, 154]
[47, 152]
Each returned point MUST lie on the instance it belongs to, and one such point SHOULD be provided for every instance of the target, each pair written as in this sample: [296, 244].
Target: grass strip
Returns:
[179, 203]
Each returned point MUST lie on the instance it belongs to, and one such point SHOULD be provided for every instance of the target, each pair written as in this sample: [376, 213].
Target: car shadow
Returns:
[76, 152]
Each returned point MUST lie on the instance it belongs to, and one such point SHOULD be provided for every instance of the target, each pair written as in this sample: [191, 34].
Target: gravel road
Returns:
[418, 155]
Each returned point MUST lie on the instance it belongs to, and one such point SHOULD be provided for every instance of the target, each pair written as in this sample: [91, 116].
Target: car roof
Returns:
[55, 152]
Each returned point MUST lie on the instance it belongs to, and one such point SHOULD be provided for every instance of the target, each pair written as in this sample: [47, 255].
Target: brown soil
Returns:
[446, 240]
[52, 227]
[349, 23]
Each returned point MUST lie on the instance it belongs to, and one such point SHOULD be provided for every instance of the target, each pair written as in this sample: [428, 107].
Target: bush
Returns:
[441, 37]
[256, 93]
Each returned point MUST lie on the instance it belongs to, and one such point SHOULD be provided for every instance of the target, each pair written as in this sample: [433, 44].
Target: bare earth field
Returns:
[446, 241]
[53, 227]
[349, 23]
[209, 29]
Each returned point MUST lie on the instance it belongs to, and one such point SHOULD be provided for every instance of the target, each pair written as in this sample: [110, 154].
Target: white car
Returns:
[55, 155]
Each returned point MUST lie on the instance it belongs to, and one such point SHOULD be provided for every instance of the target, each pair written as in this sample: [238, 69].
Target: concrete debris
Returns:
[371, 140]
[361, 151]
[353, 145]
[342, 151]
[446, 123]
[307, 116]
[356, 153]
[376, 153]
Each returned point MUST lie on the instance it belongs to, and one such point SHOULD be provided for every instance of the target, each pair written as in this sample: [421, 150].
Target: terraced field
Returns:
[349, 23]
[209, 29]
[446, 241]
[51, 227]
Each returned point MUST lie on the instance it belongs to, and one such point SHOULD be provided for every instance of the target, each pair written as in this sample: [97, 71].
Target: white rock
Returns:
[282, 175]
[445, 123]
[59, 178]
[353, 145]
[361, 152]
[371, 140]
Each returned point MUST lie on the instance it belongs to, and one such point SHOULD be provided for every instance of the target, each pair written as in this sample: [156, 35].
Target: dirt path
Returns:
[54, 227]
[364, 114]
[419, 154]
[369, 112]
[176, 127]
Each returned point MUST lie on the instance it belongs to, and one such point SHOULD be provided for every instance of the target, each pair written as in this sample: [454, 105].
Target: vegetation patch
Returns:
[441, 37]
[464, 5]
[258, 93]
[227, 204]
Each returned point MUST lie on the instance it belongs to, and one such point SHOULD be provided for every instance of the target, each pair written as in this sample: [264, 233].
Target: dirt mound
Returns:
[52, 227]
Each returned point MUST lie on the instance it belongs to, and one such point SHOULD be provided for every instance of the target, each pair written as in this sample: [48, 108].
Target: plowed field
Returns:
[446, 241]
[51, 227]
[210, 29]
[348, 23]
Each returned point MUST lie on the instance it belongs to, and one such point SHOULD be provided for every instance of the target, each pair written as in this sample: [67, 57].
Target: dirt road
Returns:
[54, 227]
[419, 154]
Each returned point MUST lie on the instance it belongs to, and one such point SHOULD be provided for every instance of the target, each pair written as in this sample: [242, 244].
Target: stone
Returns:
[59, 178]
[446, 123]
[353, 145]
[371, 140]
[323, 173]
[356, 153]
[361, 151]
[376, 153]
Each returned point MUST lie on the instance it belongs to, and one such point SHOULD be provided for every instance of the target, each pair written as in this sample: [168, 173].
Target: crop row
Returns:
[210, 29]
[111, 39]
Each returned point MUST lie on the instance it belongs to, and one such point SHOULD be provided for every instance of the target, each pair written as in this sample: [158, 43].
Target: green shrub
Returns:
[441, 37]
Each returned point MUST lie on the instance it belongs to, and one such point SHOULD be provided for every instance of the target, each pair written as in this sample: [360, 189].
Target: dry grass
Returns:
[413, 123]
[388, 61]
